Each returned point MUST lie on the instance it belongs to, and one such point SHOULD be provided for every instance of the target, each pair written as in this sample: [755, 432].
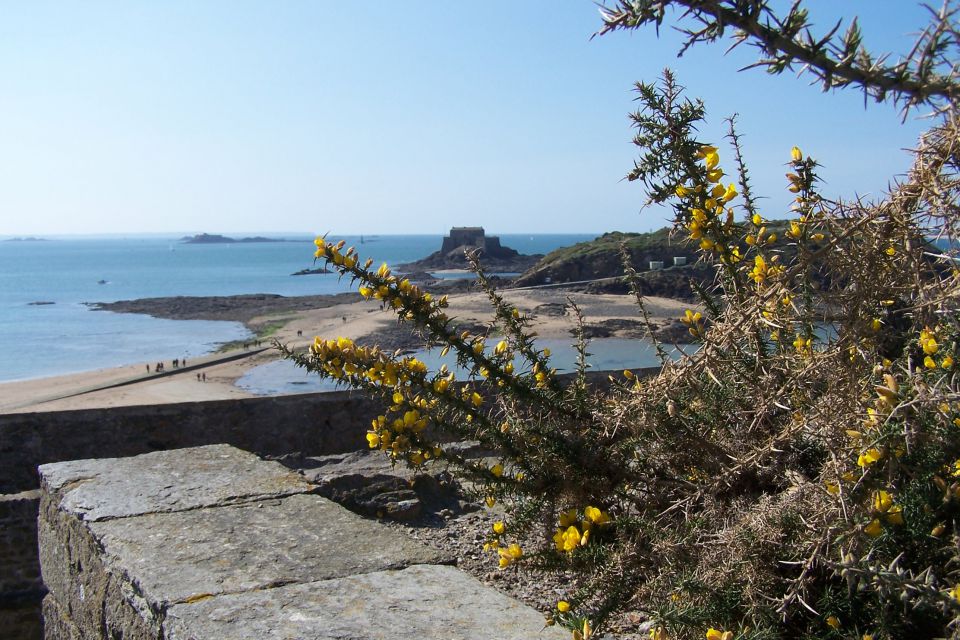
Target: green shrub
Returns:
[799, 475]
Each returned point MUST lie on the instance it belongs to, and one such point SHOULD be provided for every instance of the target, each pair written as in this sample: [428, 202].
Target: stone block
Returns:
[173, 480]
[121, 541]
[191, 554]
[411, 604]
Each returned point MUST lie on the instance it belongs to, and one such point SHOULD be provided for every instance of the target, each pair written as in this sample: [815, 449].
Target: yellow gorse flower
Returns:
[509, 555]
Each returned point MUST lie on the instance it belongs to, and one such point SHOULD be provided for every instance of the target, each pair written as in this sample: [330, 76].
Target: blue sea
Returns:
[38, 340]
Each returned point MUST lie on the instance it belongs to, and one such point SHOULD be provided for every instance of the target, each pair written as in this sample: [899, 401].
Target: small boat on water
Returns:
[101, 282]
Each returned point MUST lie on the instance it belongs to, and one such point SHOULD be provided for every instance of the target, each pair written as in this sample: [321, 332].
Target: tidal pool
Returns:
[606, 354]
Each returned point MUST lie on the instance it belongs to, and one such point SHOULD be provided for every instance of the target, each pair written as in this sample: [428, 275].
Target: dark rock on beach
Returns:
[240, 308]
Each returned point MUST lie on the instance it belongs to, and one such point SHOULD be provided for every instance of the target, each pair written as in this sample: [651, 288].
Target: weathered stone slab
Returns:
[173, 480]
[123, 540]
[412, 604]
[178, 556]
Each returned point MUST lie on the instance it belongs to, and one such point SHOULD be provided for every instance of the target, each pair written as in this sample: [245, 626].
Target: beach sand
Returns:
[362, 321]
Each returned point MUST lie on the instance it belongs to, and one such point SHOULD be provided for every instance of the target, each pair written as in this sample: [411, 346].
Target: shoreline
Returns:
[329, 316]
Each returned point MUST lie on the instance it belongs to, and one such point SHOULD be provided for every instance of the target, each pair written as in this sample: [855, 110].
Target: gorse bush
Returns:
[799, 474]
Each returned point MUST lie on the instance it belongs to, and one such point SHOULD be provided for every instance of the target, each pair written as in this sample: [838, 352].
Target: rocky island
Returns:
[493, 255]
[212, 238]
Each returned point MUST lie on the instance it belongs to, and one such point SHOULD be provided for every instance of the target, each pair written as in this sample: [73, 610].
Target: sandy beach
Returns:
[361, 320]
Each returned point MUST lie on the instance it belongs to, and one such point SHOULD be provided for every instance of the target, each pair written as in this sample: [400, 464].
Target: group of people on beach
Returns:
[160, 368]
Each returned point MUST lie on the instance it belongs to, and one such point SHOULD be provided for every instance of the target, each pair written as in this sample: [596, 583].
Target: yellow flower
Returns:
[682, 191]
[712, 159]
[510, 554]
[501, 347]
[490, 500]
[882, 501]
[756, 220]
[373, 439]
[563, 606]
[929, 362]
[895, 515]
[955, 593]
[796, 155]
[476, 399]
[596, 516]
[873, 529]
[658, 633]
[568, 517]
[499, 527]
[730, 193]
[567, 539]
[869, 457]
[497, 470]
[947, 363]
[833, 622]
[716, 634]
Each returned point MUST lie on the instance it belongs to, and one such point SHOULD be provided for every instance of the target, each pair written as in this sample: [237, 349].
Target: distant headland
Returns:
[493, 255]
[26, 239]
[212, 238]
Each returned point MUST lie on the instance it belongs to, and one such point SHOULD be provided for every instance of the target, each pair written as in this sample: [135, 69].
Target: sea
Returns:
[48, 329]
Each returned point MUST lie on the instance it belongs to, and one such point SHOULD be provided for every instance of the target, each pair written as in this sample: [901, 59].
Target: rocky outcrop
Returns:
[240, 308]
[600, 258]
[462, 240]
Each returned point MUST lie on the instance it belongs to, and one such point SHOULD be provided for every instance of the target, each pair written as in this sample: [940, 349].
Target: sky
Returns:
[233, 116]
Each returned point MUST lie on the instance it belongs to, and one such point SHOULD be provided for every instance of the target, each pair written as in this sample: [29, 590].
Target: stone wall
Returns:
[317, 423]
[310, 424]
[20, 585]
[213, 543]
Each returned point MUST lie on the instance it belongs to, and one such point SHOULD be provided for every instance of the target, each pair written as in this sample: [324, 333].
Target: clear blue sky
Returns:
[374, 117]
